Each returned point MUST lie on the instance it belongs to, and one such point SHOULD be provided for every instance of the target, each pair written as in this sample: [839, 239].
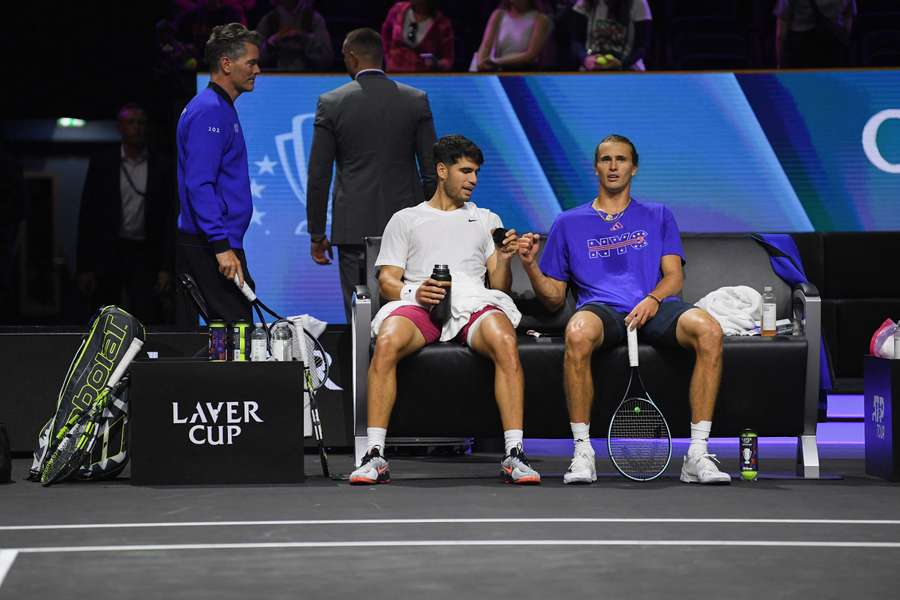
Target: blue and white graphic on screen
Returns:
[749, 152]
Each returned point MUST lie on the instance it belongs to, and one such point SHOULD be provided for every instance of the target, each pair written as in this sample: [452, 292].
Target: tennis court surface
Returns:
[447, 528]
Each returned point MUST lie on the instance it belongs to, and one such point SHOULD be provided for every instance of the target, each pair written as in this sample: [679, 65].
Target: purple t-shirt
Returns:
[616, 263]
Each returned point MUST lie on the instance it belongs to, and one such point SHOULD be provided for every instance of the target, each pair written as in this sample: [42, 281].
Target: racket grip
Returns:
[120, 369]
[245, 289]
[632, 347]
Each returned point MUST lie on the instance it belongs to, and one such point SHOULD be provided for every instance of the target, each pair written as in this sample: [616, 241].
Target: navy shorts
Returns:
[658, 331]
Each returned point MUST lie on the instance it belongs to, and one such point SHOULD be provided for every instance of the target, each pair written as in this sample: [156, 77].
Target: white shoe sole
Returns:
[583, 478]
[688, 478]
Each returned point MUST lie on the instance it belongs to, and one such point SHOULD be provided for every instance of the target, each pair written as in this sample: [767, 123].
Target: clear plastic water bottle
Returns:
[897, 341]
[258, 350]
[282, 342]
[767, 324]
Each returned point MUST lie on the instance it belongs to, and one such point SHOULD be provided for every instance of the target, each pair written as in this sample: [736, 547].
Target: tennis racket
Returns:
[639, 441]
[315, 366]
[77, 437]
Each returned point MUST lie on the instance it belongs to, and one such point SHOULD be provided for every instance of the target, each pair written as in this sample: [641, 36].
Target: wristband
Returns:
[658, 301]
[408, 292]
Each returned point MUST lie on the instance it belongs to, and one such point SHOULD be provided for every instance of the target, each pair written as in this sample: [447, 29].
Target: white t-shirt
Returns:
[419, 237]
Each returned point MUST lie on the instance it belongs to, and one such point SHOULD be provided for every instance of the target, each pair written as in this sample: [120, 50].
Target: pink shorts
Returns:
[431, 332]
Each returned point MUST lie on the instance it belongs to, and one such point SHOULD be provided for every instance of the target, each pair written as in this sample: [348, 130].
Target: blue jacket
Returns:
[213, 175]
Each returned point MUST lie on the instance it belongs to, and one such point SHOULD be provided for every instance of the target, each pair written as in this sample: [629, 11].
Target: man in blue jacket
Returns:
[214, 179]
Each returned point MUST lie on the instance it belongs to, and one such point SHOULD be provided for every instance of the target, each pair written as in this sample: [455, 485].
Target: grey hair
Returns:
[228, 40]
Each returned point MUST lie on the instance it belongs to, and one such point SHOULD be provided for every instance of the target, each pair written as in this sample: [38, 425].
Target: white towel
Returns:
[738, 309]
[467, 296]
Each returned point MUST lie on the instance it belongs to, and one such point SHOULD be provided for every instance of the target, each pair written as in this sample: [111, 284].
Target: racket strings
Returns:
[639, 442]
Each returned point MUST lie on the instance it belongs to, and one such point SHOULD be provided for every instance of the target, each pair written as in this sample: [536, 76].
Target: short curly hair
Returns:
[228, 40]
[450, 149]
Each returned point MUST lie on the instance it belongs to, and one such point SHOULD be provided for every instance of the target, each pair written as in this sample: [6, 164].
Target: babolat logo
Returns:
[217, 423]
[604, 247]
[104, 363]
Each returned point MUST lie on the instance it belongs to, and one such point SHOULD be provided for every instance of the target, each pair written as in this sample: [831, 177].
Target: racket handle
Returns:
[632, 347]
[120, 369]
[245, 289]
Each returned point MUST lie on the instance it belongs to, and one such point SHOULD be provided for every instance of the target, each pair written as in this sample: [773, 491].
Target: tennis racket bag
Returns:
[113, 337]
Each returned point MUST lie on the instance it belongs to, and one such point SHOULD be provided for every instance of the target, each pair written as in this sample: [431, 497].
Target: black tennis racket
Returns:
[315, 365]
[639, 441]
[77, 437]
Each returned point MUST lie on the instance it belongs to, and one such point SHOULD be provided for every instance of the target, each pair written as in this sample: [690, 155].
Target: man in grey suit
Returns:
[375, 130]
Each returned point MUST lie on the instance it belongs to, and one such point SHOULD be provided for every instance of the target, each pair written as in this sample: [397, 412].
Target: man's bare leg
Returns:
[495, 338]
[696, 330]
[584, 333]
[397, 338]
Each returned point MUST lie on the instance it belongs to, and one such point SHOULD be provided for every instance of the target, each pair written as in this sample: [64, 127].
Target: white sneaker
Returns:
[703, 468]
[582, 469]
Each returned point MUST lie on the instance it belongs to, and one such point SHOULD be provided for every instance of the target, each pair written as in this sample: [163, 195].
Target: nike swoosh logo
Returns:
[473, 220]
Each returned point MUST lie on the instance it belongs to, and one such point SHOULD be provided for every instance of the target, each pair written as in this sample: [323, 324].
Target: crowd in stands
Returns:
[548, 35]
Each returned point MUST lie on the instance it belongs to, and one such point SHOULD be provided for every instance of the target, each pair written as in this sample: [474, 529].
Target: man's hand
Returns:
[645, 310]
[509, 247]
[431, 292]
[163, 281]
[87, 282]
[527, 247]
[230, 265]
[319, 250]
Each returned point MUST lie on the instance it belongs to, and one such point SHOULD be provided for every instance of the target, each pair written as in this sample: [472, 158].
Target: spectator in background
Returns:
[618, 33]
[126, 223]
[514, 38]
[295, 37]
[417, 37]
[813, 33]
[194, 26]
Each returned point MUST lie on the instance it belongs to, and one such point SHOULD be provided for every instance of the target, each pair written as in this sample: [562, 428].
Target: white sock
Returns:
[699, 436]
[512, 438]
[376, 437]
[581, 433]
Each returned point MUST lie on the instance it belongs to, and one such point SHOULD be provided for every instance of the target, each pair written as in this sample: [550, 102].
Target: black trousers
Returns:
[352, 264]
[223, 299]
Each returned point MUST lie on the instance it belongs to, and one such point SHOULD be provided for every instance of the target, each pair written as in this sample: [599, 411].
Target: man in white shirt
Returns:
[450, 230]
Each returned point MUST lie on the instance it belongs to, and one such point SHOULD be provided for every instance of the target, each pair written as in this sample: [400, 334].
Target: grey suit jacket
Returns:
[375, 130]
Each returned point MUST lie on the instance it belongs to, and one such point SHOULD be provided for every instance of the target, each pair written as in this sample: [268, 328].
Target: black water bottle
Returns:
[441, 311]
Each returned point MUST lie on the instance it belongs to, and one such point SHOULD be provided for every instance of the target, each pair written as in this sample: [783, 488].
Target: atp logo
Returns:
[604, 247]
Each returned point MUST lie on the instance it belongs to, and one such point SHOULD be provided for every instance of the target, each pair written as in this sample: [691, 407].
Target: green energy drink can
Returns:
[239, 341]
[749, 457]
[218, 341]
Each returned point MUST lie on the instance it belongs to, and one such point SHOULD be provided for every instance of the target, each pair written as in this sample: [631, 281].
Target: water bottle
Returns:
[258, 350]
[441, 312]
[767, 325]
[897, 341]
[282, 342]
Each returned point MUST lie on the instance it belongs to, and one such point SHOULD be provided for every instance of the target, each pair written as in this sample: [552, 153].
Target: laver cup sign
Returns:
[217, 423]
[207, 422]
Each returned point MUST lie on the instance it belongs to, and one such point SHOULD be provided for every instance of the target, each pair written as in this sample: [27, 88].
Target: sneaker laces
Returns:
[519, 454]
[714, 462]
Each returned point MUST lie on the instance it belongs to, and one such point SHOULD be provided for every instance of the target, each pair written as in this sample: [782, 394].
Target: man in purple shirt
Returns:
[214, 180]
[624, 260]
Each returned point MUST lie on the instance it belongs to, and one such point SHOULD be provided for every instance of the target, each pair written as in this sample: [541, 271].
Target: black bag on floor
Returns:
[113, 339]
[5, 456]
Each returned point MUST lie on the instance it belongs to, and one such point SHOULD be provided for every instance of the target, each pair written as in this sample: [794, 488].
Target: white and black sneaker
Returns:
[374, 469]
[515, 468]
